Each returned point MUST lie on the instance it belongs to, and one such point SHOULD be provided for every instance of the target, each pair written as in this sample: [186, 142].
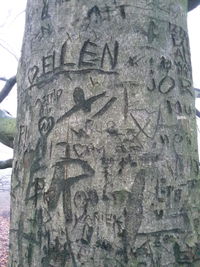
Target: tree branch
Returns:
[197, 92]
[7, 88]
[9, 51]
[6, 164]
[197, 113]
[193, 4]
[3, 79]
[7, 128]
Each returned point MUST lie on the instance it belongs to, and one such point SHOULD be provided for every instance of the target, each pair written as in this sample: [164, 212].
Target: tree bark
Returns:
[105, 169]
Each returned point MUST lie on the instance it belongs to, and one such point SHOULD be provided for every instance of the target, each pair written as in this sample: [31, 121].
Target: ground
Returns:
[4, 220]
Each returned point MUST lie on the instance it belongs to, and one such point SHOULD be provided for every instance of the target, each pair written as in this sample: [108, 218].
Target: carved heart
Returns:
[45, 125]
[80, 150]
[32, 74]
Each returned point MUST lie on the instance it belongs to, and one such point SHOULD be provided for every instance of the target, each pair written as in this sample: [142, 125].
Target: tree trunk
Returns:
[106, 167]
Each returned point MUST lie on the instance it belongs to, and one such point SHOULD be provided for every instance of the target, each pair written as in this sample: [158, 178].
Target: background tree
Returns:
[11, 30]
[105, 170]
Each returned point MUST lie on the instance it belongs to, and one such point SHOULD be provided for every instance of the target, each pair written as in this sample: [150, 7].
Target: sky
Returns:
[12, 16]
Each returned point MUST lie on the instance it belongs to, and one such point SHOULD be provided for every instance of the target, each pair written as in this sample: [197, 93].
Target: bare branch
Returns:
[9, 51]
[197, 92]
[6, 164]
[6, 141]
[7, 88]
[3, 79]
[197, 113]
[192, 4]
[5, 21]
[7, 128]
[14, 19]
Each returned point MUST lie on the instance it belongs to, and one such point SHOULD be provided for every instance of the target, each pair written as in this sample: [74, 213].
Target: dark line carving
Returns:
[125, 104]
[61, 183]
[32, 74]
[153, 85]
[45, 125]
[105, 107]
[152, 32]
[122, 9]
[133, 61]
[36, 164]
[81, 133]
[170, 83]
[139, 127]
[45, 10]
[169, 106]
[93, 55]
[38, 185]
[165, 64]
[57, 252]
[59, 71]
[81, 103]
[113, 58]
[178, 108]
[48, 63]
[164, 139]
[63, 54]
[95, 11]
[46, 30]
[67, 148]
[186, 86]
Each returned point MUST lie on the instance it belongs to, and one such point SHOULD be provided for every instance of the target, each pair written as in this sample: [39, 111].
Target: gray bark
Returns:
[105, 169]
